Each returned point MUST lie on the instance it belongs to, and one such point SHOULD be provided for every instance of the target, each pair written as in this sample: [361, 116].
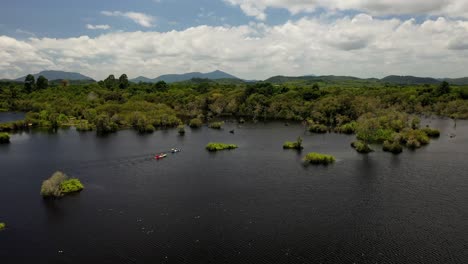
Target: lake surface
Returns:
[256, 204]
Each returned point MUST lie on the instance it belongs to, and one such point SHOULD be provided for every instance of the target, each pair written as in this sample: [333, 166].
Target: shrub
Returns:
[318, 128]
[196, 123]
[219, 146]
[361, 147]
[84, 125]
[392, 146]
[4, 138]
[2, 226]
[71, 186]
[349, 128]
[51, 186]
[433, 133]
[59, 184]
[414, 138]
[181, 130]
[317, 158]
[216, 125]
[294, 145]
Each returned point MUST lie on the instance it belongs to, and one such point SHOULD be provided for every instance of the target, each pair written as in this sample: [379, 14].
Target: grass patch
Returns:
[4, 138]
[2, 226]
[293, 145]
[318, 128]
[317, 158]
[361, 147]
[219, 146]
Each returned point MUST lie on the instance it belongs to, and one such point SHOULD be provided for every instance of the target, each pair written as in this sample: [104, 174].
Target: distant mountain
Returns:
[409, 80]
[59, 75]
[170, 78]
[310, 78]
[457, 81]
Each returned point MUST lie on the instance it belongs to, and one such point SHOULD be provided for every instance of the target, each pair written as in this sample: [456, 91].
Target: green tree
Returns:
[29, 83]
[161, 86]
[110, 82]
[444, 88]
[42, 83]
[123, 81]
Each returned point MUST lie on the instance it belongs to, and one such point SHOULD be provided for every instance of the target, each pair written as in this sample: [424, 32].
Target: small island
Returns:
[361, 147]
[219, 146]
[2, 226]
[196, 123]
[317, 159]
[59, 185]
[4, 138]
[216, 125]
[293, 145]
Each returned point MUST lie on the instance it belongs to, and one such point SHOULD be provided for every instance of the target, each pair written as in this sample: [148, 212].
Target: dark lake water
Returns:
[256, 204]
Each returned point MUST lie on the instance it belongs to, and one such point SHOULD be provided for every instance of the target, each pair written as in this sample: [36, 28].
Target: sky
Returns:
[252, 39]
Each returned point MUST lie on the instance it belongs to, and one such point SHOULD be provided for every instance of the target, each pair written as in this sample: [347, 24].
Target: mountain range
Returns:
[170, 78]
[220, 75]
[59, 75]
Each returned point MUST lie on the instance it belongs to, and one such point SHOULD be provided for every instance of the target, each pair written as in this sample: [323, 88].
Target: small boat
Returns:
[160, 156]
[174, 150]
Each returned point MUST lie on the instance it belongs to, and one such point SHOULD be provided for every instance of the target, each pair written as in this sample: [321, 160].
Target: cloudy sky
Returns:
[253, 39]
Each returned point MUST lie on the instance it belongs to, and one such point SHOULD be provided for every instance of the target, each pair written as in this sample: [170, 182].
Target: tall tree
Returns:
[110, 81]
[123, 81]
[42, 83]
[161, 86]
[29, 83]
[444, 88]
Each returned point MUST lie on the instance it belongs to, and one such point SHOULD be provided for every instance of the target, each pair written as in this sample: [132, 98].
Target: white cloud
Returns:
[142, 19]
[362, 46]
[94, 27]
[451, 8]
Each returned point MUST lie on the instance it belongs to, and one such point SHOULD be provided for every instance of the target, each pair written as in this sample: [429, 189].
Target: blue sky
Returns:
[62, 19]
[253, 39]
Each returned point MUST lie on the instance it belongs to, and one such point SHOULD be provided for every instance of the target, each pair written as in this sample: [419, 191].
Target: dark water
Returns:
[11, 116]
[256, 204]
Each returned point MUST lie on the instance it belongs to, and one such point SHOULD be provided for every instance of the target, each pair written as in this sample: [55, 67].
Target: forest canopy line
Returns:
[325, 104]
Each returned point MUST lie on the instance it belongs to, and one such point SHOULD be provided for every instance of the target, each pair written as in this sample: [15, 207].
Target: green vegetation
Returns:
[181, 130]
[294, 145]
[375, 110]
[4, 138]
[71, 186]
[433, 133]
[216, 125]
[58, 185]
[361, 147]
[196, 123]
[317, 158]
[392, 146]
[2, 226]
[219, 146]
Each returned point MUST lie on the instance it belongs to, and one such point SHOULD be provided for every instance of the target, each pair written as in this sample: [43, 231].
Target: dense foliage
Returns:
[317, 158]
[219, 146]
[375, 110]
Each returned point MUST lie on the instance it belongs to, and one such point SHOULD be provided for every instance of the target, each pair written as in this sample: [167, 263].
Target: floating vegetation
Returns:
[219, 146]
[4, 138]
[293, 145]
[317, 159]
[361, 147]
[58, 185]
[196, 123]
[216, 125]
